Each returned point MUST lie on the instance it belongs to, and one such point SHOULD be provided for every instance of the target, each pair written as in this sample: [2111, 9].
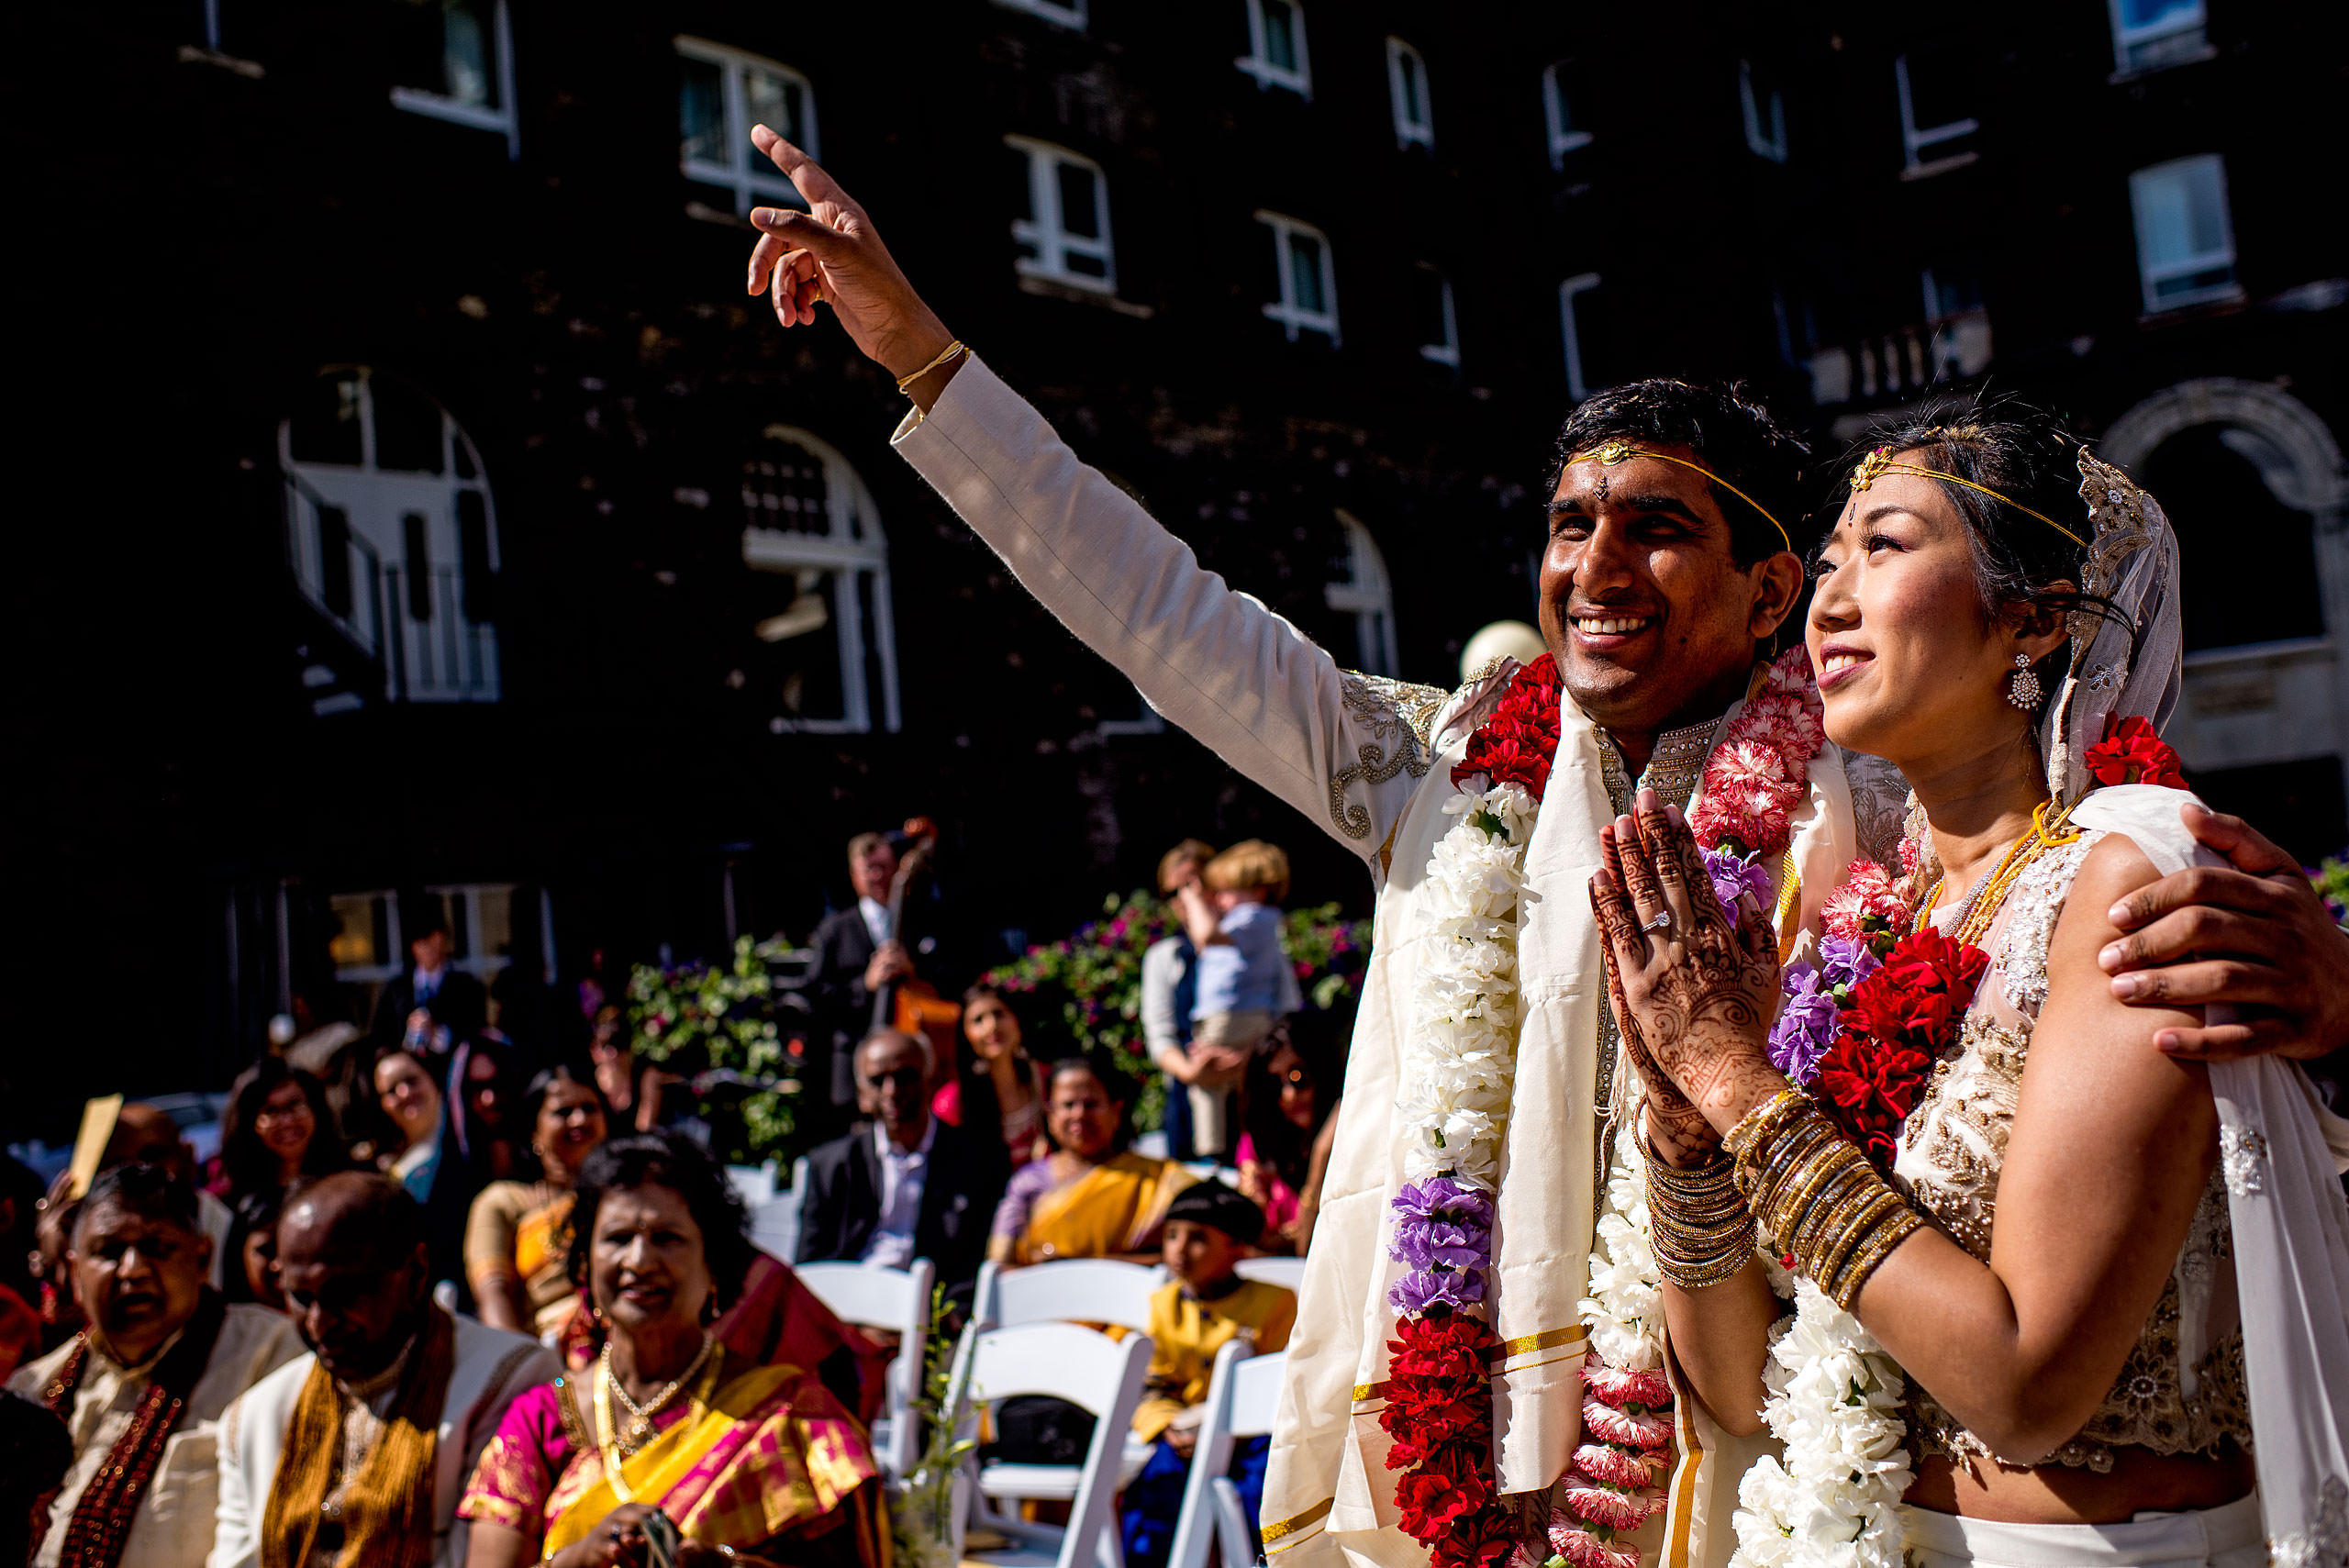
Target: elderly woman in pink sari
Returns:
[669, 1446]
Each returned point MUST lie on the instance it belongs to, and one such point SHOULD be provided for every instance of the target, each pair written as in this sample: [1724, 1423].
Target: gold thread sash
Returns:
[1524, 1344]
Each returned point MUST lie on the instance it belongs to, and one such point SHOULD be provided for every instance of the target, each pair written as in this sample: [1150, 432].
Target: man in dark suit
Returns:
[458, 1002]
[857, 955]
[903, 1184]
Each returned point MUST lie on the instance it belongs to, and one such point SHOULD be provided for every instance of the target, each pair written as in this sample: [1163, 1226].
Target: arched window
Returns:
[829, 658]
[392, 535]
[1363, 591]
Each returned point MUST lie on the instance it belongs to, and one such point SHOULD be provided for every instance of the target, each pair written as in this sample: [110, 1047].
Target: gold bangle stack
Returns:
[1697, 1223]
[1818, 1200]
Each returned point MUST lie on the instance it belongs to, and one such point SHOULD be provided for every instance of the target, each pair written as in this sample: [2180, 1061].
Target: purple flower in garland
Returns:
[1734, 876]
[1844, 962]
[1446, 1198]
[1416, 1291]
[1423, 1244]
[1807, 1026]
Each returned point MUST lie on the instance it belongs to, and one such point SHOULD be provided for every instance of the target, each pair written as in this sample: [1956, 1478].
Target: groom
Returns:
[1667, 571]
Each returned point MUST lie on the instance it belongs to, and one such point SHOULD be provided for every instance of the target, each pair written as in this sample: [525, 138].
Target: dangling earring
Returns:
[2022, 686]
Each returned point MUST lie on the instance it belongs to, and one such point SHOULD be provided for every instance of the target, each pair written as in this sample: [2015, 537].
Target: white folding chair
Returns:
[774, 1224]
[1242, 1397]
[1101, 1376]
[1287, 1273]
[755, 1185]
[1070, 1290]
[897, 1300]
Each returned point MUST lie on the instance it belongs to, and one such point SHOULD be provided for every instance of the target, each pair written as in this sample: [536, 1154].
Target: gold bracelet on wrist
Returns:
[945, 354]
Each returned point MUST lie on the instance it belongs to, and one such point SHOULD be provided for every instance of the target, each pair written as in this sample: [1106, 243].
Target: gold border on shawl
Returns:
[1549, 1339]
[1369, 1393]
[1684, 1513]
[1277, 1529]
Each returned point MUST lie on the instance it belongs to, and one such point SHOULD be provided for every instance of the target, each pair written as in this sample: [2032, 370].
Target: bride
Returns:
[2099, 1291]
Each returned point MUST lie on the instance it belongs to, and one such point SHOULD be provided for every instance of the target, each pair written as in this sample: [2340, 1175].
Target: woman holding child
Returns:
[2097, 1291]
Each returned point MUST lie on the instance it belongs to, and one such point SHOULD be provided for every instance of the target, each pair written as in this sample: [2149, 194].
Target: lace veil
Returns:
[2290, 1223]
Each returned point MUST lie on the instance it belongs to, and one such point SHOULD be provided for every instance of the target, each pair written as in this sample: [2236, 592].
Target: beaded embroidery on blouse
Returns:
[1951, 1151]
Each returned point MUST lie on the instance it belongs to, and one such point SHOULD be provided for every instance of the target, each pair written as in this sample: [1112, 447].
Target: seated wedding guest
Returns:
[1209, 1229]
[673, 1437]
[1092, 1196]
[902, 1185]
[145, 1135]
[1169, 985]
[609, 1048]
[141, 1388]
[358, 1451]
[60, 1314]
[483, 1105]
[514, 1240]
[276, 1128]
[20, 1323]
[251, 1274]
[35, 1453]
[410, 1101]
[1244, 980]
[1291, 1100]
[997, 1084]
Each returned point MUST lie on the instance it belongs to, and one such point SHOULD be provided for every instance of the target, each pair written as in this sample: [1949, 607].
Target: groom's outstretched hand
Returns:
[831, 255]
[2253, 934]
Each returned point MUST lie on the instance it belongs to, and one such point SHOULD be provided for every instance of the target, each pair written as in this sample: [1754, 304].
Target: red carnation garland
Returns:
[2133, 752]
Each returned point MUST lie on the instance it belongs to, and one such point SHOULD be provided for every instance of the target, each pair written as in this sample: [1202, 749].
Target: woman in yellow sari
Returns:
[518, 1233]
[669, 1446]
[1092, 1197]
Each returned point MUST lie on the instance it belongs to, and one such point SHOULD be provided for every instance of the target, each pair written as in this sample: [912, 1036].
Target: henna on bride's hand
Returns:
[1617, 930]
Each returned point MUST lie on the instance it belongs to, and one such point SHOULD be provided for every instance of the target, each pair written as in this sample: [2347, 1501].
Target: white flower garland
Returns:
[1835, 1406]
[1625, 1307]
[1461, 1061]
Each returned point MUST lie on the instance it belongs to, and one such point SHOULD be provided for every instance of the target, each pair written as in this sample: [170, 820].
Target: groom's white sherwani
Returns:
[1368, 759]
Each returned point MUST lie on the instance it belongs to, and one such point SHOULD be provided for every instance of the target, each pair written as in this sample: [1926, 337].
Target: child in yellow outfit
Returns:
[1208, 1228]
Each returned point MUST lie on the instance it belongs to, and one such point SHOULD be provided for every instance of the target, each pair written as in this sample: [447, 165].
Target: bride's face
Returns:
[1911, 666]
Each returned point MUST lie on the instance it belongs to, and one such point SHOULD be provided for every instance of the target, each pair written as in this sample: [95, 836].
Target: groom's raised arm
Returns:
[1345, 749]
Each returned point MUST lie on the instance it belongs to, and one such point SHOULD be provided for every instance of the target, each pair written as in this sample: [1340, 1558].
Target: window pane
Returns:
[1562, 100]
[1280, 35]
[784, 487]
[1304, 273]
[2137, 14]
[467, 67]
[773, 101]
[1938, 91]
[325, 422]
[359, 939]
[418, 568]
[1078, 215]
[472, 555]
[407, 428]
[1078, 261]
[1414, 95]
[496, 938]
[701, 110]
[334, 560]
[1434, 330]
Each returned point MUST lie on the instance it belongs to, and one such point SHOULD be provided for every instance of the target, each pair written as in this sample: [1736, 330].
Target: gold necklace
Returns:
[1982, 906]
[609, 1437]
[641, 1424]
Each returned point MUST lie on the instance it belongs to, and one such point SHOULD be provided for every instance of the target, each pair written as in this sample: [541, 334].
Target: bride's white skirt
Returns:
[2225, 1537]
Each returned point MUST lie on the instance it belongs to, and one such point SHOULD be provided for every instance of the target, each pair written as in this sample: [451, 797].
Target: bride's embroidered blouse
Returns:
[2181, 1390]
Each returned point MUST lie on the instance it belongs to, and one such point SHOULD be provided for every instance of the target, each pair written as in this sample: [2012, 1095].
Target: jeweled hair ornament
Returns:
[1606, 454]
[1879, 463]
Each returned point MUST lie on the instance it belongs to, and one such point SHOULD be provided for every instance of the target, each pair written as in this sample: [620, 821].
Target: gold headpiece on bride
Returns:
[1606, 454]
[1879, 463]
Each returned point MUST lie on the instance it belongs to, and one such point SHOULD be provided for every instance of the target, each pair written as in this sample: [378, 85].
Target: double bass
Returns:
[912, 1005]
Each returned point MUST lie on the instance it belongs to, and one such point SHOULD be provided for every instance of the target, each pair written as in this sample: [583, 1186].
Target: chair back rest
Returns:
[1062, 1360]
[1287, 1273]
[1070, 1290]
[755, 1185]
[1256, 1393]
[872, 1297]
[774, 1224]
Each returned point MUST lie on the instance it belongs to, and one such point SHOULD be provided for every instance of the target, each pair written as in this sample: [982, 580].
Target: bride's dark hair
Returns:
[2021, 565]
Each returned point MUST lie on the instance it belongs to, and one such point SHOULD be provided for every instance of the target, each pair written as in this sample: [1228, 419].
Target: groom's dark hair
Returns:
[1730, 433]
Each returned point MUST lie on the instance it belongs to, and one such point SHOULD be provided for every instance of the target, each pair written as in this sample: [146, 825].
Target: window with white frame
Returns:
[367, 945]
[1061, 225]
[2150, 34]
[1363, 591]
[827, 657]
[1062, 13]
[722, 92]
[1407, 93]
[1576, 333]
[2186, 242]
[1306, 282]
[1764, 108]
[1931, 132]
[1276, 56]
[392, 535]
[1439, 327]
[454, 60]
[1561, 102]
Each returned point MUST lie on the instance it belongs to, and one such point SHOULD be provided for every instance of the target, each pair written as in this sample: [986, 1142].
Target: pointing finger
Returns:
[802, 170]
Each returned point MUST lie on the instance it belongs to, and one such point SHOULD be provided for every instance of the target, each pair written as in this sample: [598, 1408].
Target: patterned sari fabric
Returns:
[1114, 1208]
[771, 1456]
[523, 1232]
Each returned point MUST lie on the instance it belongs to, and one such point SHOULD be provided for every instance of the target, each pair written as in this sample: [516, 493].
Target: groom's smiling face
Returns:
[1644, 603]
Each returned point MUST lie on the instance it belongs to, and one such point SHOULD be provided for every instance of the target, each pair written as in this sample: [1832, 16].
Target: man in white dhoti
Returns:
[1666, 574]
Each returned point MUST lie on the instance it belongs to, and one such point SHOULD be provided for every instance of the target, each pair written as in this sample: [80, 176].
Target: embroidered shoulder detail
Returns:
[1399, 718]
[2242, 1151]
[2032, 909]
